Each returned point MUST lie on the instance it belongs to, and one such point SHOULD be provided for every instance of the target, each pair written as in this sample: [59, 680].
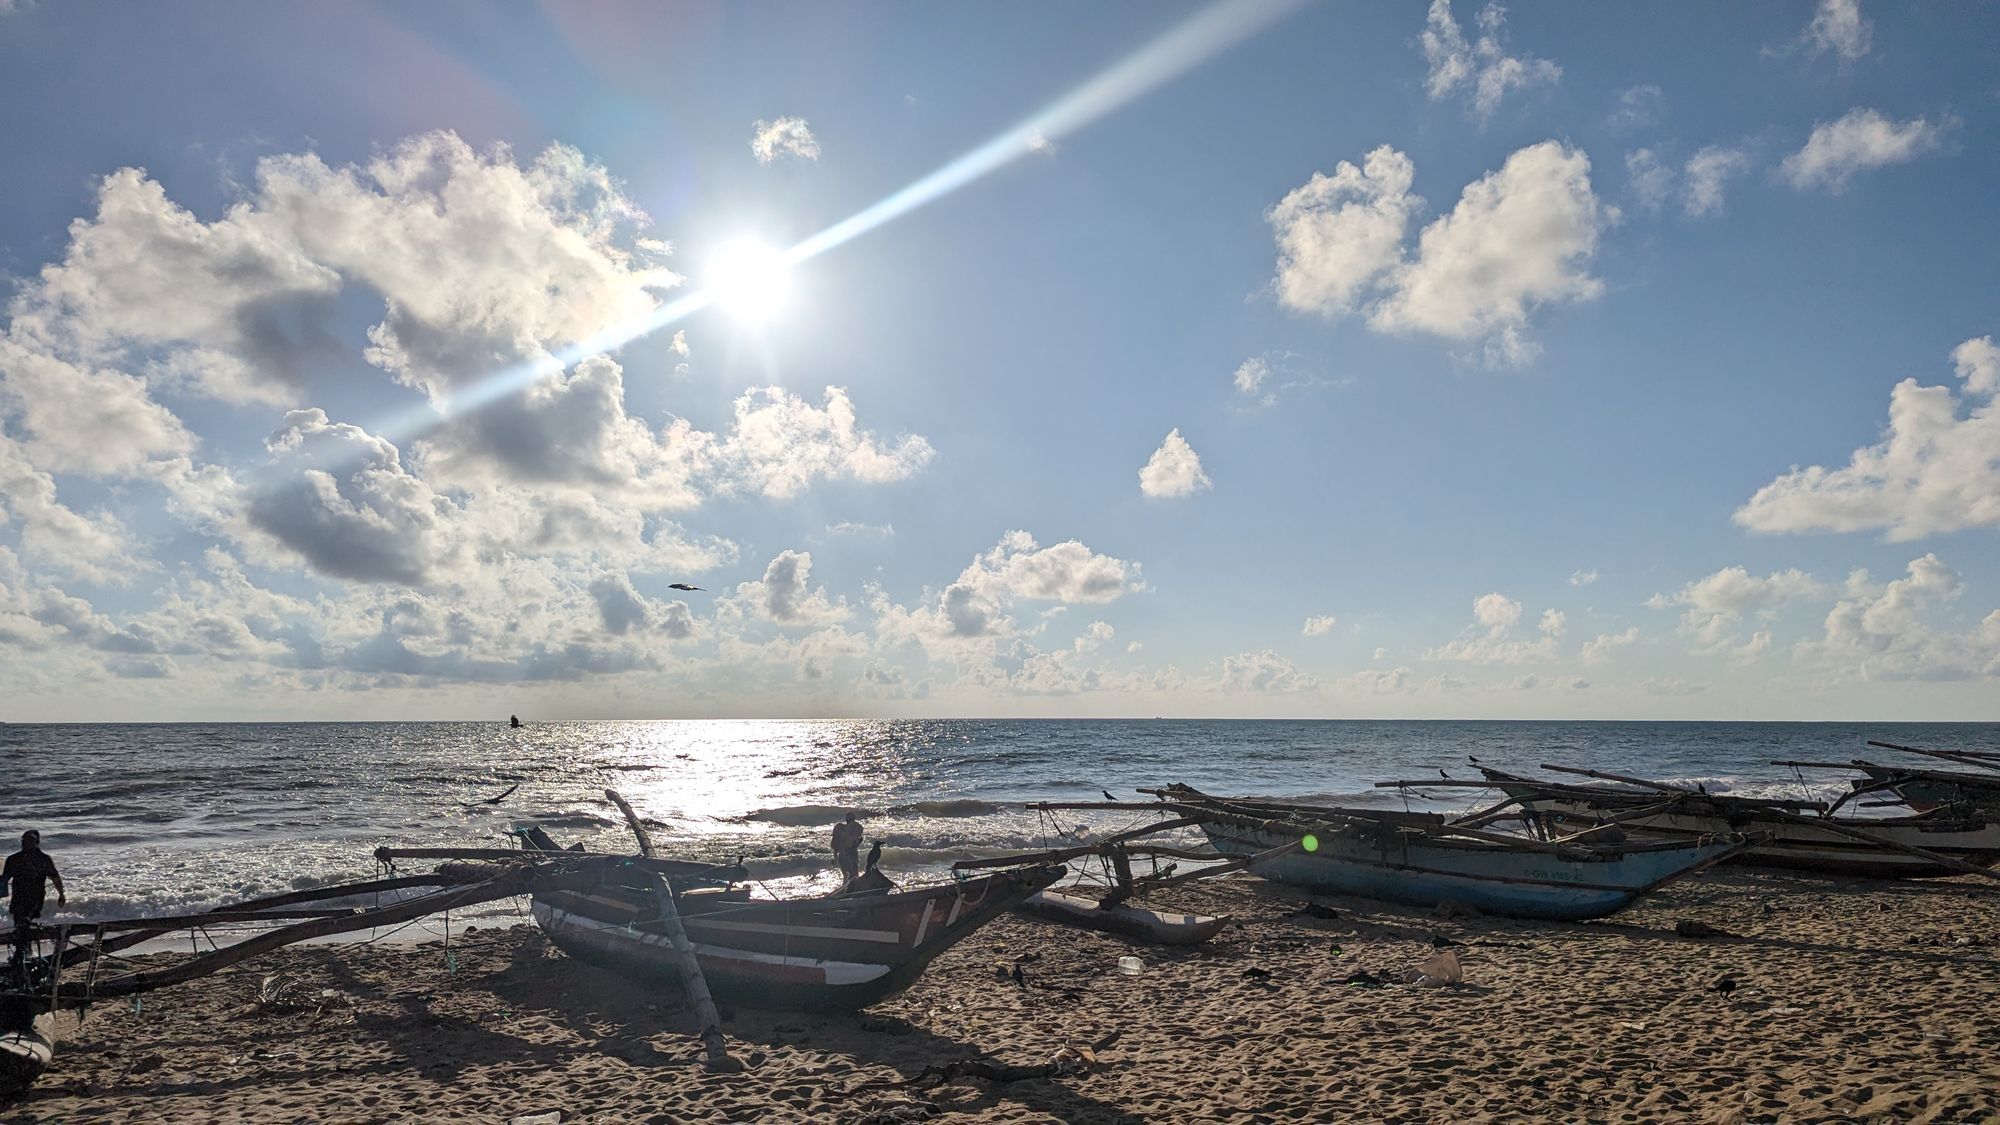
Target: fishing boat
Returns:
[1799, 835]
[839, 952]
[1925, 790]
[1421, 859]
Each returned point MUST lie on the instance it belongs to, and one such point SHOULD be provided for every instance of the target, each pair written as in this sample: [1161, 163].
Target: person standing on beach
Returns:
[847, 848]
[26, 874]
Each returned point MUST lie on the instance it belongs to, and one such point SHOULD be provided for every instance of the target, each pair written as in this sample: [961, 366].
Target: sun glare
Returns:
[750, 279]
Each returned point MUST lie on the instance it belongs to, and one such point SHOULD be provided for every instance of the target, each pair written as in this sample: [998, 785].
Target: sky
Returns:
[1252, 358]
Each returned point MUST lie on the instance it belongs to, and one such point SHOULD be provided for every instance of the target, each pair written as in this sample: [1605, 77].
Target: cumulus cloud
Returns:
[1482, 68]
[1490, 639]
[1709, 171]
[977, 604]
[91, 547]
[1934, 470]
[780, 443]
[1263, 671]
[1889, 631]
[785, 595]
[786, 136]
[1319, 626]
[1638, 107]
[1338, 235]
[1598, 649]
[1717, 605]
[1582, 577]
[1174, 470]
[1862, 140]
[1838, 26]
[1251, 374]
[1519, 239]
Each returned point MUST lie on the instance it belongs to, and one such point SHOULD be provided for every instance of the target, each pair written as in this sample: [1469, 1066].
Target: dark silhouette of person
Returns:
[27, 874]
[847, 848]
[874, 855]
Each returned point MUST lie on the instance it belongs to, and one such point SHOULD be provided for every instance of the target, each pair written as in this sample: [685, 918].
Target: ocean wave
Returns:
[953, 807]
[809, 816]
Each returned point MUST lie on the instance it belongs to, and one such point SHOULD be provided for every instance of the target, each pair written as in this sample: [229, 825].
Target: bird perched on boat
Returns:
[1444, 775]
[1108, 796]
[682, 586]
[874, 856]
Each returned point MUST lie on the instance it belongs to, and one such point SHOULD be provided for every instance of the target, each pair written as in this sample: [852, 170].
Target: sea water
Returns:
[151, 819]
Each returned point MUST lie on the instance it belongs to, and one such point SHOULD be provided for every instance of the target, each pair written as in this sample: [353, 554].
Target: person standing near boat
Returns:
[26, 874]
[847, 848]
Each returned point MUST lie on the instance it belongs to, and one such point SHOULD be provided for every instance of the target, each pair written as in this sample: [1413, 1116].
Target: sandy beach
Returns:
[1851, 1002]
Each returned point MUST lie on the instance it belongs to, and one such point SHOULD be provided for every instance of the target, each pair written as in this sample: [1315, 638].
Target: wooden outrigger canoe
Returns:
[1421, 859]
[1928, 845]
[825, 954]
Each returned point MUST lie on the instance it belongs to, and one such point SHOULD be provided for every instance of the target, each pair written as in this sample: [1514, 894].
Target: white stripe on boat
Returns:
[837, 972]
[696, 921]
[957, 904]
[924, 926]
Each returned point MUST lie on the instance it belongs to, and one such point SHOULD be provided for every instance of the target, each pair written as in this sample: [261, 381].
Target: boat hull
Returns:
[26, 1045]
[1800, 847]
[1153, 927]
[830, 954]
[1415, 870]
[1925, 793]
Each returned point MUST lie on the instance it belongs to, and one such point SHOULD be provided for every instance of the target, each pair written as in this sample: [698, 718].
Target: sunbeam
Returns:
[1188, 44]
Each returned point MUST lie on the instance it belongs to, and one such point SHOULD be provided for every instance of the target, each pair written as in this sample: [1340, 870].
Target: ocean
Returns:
[151, 819]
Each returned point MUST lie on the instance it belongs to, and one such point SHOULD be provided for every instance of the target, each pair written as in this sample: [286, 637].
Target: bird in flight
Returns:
[681, 586]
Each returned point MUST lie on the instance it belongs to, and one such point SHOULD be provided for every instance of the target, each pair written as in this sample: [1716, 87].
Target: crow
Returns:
[495, 800]
[681, 586]
[874, 855]
[1019, 977]
[1444, 775]
[1724, 986]
[1108, 796]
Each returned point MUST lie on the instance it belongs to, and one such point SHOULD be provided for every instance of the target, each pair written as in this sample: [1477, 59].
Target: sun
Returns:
[751, 279]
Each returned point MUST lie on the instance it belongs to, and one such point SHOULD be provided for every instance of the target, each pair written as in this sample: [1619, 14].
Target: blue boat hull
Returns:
[1406, 868]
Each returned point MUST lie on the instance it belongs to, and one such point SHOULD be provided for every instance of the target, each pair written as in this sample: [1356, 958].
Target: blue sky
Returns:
[1333, 359]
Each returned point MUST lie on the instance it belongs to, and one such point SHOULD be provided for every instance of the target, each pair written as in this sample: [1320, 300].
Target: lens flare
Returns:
[1310, 843]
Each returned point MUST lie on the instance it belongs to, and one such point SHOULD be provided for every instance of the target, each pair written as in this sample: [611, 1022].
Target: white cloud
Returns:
[1934, 471]
[864, 530]
[1672, 685]
[1487, 640]
[1174, 470]
[1250, 375]
[53, 535]
[784, 595]
[1582, 577]
[1319, 626]
[1650, 182]
[1888, 633]
[1861, 140]
[1518, 239]
[1339, 234]
[1482, 67]
[1638, 107]
[1040, 144]
[779, 443]
[786, 136]
[1094, 636]
[1838, 26]
[1716, 606]
[1263, 671]
[976, 607]
[1598, 650]
[1708, 172]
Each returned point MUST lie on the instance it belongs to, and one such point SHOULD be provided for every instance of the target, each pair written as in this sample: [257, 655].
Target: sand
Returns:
[1852, 1002]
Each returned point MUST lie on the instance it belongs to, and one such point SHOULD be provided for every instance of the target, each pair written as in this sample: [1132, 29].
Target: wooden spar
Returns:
[1968, 757]
[518, 882]
[632, 818]
[692, 868]
[1235, 863]
[1064, 855]
[691, 977]
[1824, 824]
[1121, 867]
